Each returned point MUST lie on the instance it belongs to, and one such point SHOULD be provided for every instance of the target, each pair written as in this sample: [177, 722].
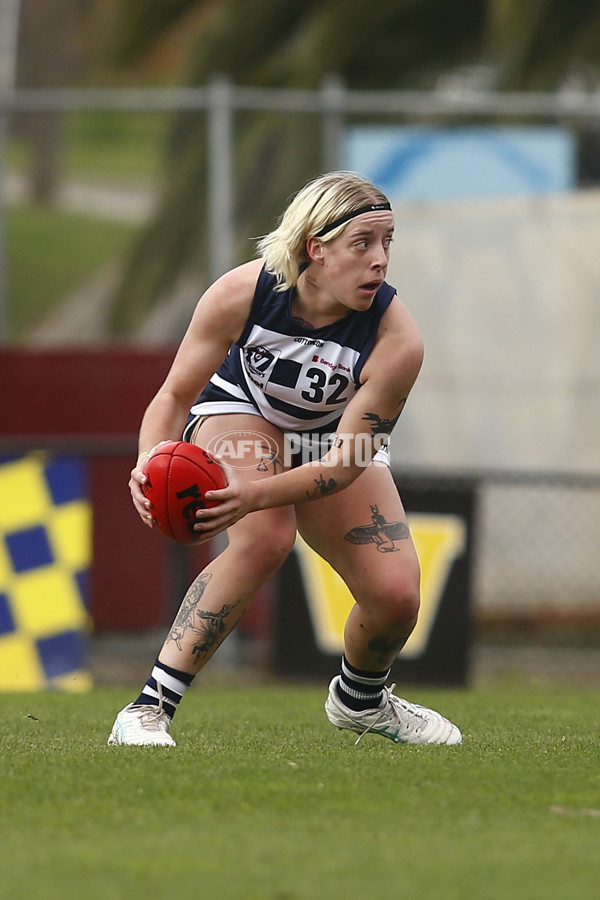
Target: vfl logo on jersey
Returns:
[259, 363]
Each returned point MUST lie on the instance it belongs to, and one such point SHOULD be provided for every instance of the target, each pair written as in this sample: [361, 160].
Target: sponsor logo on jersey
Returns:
[326, 362]
[313, 342]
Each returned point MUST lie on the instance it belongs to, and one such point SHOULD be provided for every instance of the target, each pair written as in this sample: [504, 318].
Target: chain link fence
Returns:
[83, 174]
[537, 572]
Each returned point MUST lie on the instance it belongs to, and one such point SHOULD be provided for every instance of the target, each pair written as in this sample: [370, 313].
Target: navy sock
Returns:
[173, 685]
[358, 689]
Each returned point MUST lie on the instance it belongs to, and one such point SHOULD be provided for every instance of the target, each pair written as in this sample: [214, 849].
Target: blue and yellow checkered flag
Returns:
[45, 554]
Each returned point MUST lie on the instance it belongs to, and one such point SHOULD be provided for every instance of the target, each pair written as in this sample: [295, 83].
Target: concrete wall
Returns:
[506, 293]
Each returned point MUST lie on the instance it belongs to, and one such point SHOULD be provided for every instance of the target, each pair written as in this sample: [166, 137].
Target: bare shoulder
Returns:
[242, 277]
[235, 287]
[228, 300]
[398, 349]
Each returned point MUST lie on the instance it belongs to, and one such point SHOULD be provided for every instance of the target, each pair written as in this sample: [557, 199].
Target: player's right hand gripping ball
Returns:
[178, 476]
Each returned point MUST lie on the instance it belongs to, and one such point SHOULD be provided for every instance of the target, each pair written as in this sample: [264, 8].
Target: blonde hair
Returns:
[321, 202]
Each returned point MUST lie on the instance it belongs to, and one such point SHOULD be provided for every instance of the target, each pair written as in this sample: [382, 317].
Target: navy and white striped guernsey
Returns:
[298, 378]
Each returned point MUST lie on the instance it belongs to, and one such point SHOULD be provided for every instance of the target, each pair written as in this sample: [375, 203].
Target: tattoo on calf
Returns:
[213, 628]
[380, 532]
[205, 627]
[386, 648]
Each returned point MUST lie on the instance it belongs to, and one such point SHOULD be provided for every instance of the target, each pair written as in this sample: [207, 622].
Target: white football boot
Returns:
[142, 726]
[396, 719]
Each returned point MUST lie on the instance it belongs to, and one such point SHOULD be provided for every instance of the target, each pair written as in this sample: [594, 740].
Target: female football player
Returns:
[311, 348]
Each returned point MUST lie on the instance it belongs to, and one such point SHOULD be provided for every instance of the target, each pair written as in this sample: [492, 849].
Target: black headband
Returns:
[372, 207]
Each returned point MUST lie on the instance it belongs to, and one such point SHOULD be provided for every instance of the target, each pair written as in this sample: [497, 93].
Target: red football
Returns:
[179, 474]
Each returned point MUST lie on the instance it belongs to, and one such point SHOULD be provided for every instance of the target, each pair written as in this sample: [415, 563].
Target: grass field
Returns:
[263, 799]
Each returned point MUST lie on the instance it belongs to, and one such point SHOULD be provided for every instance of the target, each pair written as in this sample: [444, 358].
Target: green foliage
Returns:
[535, 45]
[50, 254]
[136, 27]
[263, 800]
[393, 44]
[119, 146]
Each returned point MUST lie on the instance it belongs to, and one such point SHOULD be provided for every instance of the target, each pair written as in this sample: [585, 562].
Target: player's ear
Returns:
[314, 249]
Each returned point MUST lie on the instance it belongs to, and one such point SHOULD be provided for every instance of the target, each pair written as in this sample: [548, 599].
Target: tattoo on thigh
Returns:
[269, 456]
[205, 627]
[380, 532]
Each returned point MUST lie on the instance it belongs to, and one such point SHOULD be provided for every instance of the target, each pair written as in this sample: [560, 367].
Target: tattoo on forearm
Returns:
[205, 627]
[322, 487]
[380, 532]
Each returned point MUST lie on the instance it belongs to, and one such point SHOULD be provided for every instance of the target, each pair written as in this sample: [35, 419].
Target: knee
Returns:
[267, 541]
[396, 603]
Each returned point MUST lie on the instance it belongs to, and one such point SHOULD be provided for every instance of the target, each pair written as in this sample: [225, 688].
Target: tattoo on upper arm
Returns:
[204, 627]
[322, 487]
[383, 426]
[380, 532]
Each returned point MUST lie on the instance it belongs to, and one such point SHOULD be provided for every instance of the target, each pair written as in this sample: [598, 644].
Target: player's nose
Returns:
[380, 257]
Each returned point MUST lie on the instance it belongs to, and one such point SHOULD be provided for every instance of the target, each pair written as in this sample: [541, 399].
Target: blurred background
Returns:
[143, 149]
